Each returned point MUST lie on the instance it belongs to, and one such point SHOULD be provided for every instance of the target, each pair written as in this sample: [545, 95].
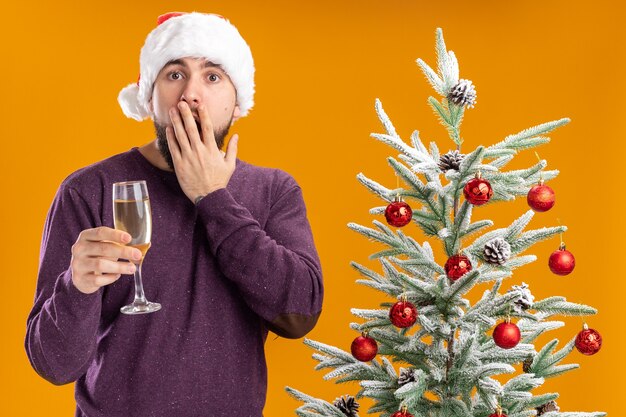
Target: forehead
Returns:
[191, 62]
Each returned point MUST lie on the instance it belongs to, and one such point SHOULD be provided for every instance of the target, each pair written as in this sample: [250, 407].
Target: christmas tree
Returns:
[452, 352]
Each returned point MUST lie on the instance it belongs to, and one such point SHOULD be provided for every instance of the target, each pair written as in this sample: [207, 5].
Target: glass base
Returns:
[141, 308]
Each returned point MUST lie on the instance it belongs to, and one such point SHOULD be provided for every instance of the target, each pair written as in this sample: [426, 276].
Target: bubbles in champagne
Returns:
[134, 217]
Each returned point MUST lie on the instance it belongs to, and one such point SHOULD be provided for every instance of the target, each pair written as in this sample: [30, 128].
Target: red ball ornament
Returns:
[364, 348]
[456, 266]
[402, 413]
[561, 261]
[507, 335]
[588, 341]
[403, 314]
[540, 197]
[398, 213]
[478, 190]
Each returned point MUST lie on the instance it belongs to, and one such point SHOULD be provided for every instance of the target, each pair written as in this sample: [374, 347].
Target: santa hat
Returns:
[198, 35]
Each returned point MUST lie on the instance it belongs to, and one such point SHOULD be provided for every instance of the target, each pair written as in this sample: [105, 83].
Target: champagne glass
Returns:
[131, 213]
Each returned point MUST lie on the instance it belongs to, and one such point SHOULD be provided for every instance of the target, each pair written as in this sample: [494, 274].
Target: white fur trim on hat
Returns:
[196, 35]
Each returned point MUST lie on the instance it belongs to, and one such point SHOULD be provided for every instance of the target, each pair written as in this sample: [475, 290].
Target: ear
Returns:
[151, 109]
[236, 114]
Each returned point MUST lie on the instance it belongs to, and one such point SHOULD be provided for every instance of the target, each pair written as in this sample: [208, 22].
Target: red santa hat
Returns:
[200, 35]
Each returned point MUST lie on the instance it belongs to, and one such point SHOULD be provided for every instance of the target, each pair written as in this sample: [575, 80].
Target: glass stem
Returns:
[140, 297]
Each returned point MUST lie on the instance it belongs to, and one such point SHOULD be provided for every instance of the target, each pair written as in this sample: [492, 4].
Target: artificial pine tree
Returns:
[454, 349]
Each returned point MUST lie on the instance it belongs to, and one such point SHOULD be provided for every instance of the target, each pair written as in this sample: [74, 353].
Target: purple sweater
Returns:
[241, 262]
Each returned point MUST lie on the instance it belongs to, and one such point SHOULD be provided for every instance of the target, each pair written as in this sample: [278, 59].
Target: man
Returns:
[232, 252]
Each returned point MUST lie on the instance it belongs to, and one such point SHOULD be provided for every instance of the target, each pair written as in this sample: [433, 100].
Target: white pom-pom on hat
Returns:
[130, 104]
[179, 35]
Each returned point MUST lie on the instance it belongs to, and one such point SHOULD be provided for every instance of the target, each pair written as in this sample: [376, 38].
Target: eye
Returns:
[214, 77]
[174, 73]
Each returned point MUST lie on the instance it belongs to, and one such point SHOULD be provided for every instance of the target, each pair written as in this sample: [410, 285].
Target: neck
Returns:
[151, 152]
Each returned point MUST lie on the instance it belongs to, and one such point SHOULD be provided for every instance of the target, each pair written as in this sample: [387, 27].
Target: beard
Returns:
[219, 133]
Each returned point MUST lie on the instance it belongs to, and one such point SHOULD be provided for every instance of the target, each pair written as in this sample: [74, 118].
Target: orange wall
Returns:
[320, 65]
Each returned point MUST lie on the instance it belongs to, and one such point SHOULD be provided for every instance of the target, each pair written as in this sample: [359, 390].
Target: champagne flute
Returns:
[131, 213]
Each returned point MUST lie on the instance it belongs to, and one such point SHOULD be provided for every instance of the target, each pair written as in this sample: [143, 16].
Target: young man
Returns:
[232, 252]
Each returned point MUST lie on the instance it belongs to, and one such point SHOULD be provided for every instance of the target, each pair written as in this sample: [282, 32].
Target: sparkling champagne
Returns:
[134, 217]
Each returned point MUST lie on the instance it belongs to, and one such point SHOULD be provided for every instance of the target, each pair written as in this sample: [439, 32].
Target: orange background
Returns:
[320, 65]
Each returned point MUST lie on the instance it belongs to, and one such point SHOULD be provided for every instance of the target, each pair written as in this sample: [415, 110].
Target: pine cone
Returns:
[547, 407]
[527, 363]
[497, 251]
[451, 160]
[463, 94]
[348, 405]
[406, 375]
[526, 299]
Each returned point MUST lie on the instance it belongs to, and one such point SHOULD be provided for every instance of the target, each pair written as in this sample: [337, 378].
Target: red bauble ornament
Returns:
[478, 190]
[456, 266]
[364, 348]
[540, 197]
[588, 341]
[398, 213]
[403, 314]
[402, 413]
[561, 261]
[506, 335]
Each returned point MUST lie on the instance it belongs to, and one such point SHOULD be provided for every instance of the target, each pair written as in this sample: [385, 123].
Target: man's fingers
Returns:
[105, 233]
[102, 266]
[111, 250]
[179, 131]
[231, 151]
[208, 136]
[172, 143]
[191, 128]
[92, 272]
[102, 280]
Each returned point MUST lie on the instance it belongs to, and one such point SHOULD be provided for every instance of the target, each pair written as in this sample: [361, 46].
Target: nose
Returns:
[191, 93]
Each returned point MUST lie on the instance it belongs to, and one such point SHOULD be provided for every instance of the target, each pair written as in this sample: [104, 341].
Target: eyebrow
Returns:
[206, 64]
